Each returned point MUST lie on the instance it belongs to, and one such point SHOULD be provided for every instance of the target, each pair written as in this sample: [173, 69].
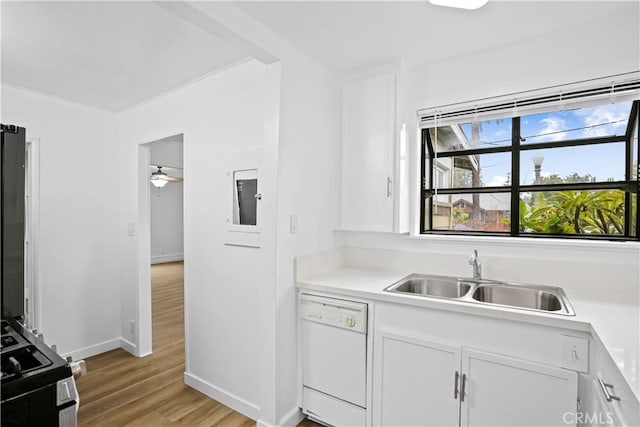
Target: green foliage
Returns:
[572, 178]
[459, 216]
[574, 212]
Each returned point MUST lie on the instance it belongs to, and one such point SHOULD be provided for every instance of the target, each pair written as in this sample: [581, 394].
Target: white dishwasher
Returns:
[334, 360]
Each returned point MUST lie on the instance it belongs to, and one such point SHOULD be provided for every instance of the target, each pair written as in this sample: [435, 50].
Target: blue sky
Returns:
[602, 161]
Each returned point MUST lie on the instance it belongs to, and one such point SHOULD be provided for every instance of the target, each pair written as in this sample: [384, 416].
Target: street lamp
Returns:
[537, 166]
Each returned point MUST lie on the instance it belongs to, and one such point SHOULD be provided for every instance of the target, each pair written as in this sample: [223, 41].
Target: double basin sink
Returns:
[547, 299]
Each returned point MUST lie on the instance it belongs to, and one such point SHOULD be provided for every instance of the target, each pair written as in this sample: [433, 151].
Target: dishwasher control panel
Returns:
[336, 312]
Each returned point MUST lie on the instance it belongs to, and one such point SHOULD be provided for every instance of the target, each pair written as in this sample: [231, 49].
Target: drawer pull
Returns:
[605, 389]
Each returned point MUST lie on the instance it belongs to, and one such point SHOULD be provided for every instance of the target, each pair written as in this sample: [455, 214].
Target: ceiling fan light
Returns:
[460, 4]
[159, 181]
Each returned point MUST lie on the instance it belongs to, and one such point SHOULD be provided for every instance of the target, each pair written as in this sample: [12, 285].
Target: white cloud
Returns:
[612, 117]
[553, 127]
[497, 181]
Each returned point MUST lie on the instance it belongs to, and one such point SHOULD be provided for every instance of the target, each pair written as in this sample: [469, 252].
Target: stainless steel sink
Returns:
[530, 297]
[434, 286]
[548, 299]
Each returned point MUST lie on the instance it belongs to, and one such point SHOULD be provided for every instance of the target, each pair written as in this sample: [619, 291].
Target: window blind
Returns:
[622, 87]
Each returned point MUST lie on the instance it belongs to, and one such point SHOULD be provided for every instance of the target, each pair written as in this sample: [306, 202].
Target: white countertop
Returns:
[616, 326]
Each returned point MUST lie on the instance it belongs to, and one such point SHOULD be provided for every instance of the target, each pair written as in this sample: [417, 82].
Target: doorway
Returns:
[161, 229]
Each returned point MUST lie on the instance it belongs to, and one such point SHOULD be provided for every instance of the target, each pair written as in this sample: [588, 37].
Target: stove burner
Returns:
[8, 341]
[18, 362]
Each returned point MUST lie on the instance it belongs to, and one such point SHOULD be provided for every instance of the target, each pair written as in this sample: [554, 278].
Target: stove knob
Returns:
[13, 367]
[350, 321]
[78, 368]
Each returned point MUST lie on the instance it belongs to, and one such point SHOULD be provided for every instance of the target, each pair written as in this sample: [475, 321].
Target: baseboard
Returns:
[232, 401]
[128, 346]
[95, 349]
[159, 259]
[291, 419]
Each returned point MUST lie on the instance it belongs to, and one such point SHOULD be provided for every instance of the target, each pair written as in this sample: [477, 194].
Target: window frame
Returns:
[628, 185]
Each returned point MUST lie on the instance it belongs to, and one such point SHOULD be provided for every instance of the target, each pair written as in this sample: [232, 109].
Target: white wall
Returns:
[166, 209]
[218, 115]
[604, 47]
[166, 223]
[308, 187]
[78, 264]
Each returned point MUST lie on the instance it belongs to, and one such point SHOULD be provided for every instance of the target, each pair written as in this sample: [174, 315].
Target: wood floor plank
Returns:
[122, 390]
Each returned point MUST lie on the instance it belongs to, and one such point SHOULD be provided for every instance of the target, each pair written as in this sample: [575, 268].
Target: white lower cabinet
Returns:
[613, 402]
[414, 382]
[503, 391]
[422, 382]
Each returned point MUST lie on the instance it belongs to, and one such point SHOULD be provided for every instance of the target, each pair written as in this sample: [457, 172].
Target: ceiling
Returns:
[108, 54]
[351, 34]
[116, 54]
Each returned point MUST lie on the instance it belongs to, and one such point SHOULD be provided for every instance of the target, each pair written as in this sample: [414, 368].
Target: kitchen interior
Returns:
[391, 213]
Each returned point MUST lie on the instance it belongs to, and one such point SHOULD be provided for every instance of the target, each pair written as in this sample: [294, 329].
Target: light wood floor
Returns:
[122, 390]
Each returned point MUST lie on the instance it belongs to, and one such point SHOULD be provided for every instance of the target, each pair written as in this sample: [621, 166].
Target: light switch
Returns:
[131, 229]
[575, 353]
[293, 224]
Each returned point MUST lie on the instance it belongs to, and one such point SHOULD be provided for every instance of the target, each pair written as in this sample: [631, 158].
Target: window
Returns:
[570, 172]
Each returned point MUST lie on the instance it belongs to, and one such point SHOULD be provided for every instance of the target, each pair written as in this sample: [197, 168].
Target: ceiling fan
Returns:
[159, 178]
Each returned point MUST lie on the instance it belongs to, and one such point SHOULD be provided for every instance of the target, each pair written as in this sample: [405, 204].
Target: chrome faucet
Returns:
[477, 266]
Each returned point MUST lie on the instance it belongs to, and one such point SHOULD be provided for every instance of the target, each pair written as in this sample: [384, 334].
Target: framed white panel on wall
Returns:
[243, 198]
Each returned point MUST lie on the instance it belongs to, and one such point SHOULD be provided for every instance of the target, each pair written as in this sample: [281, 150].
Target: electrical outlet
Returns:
[132, 327]
[575, 353]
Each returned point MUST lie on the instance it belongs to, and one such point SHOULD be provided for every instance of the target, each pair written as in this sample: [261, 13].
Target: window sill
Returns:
[528, 242]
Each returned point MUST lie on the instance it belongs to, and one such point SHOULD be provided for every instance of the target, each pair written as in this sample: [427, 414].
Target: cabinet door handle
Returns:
[605, 389]
[388, 186]
[455, 385]
[464, 384]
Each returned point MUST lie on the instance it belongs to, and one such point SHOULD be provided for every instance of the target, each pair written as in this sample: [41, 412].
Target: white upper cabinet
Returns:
[368, 153]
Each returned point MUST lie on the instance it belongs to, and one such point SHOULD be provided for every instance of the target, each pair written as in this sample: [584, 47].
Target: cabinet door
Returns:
[368, 153]
[625, 410]
[414, 382]
[504, 391]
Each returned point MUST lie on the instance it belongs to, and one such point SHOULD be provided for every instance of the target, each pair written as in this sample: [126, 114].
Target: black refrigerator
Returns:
[37, 386]
[12, 206]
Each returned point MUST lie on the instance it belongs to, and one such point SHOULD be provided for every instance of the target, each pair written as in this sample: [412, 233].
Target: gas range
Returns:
[37, 385]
